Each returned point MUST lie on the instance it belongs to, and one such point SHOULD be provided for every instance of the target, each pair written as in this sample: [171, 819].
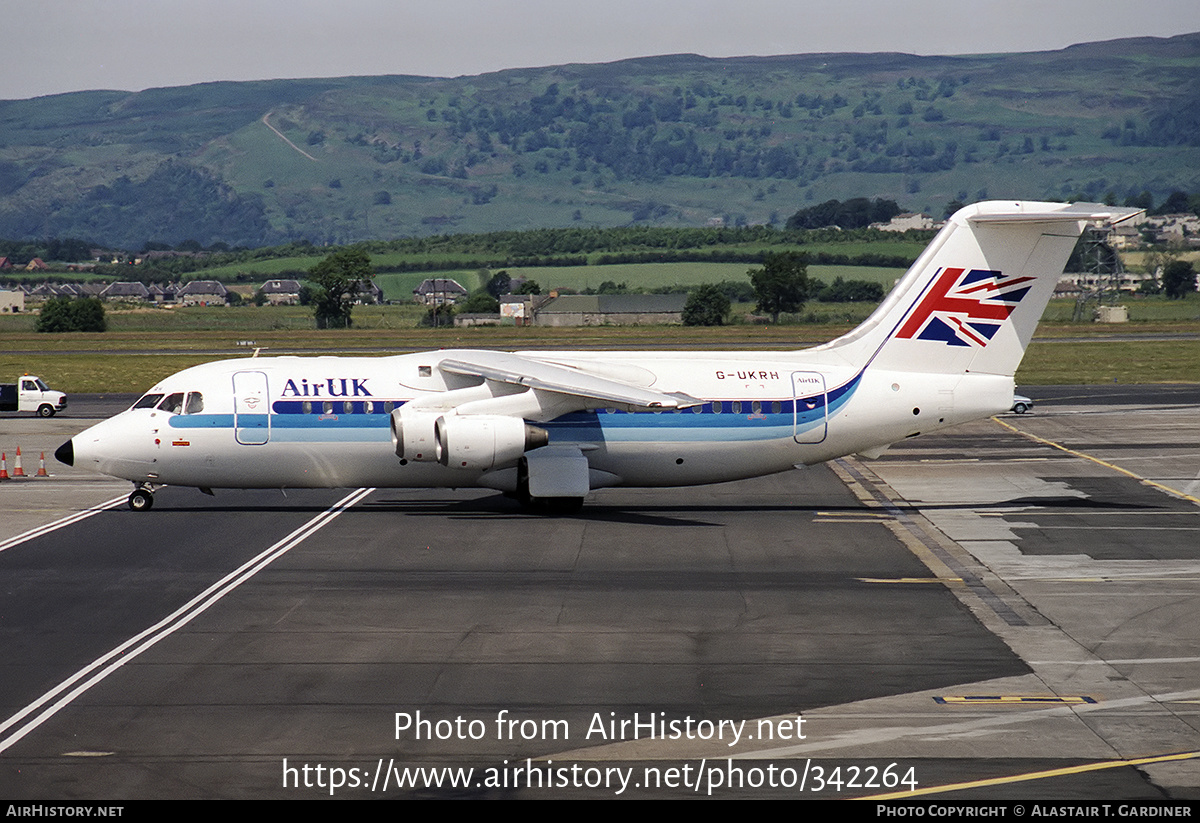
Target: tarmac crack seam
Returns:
[868, 737]
[972, 581]
[1098, 461]
[65, 693]
[862, 737]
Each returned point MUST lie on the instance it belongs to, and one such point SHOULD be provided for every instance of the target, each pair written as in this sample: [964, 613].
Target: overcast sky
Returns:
[54, 46]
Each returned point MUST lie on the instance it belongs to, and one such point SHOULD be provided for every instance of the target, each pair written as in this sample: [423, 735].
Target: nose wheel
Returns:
[142, 499]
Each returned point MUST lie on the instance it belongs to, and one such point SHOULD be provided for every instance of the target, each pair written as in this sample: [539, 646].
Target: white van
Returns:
[30, 394]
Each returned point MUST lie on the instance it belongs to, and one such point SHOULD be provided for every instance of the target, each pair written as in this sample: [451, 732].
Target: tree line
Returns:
[531, 248]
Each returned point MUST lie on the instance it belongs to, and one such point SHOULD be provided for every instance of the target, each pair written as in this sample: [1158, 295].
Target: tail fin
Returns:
[971, 301]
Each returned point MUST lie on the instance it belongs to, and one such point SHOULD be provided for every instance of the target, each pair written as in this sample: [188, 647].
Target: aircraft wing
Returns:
[518, 370]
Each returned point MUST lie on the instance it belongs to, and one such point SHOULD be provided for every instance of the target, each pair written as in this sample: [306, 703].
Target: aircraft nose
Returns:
[66, 453]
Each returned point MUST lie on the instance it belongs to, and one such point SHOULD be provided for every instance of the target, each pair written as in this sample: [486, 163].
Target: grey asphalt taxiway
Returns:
[1007, 610]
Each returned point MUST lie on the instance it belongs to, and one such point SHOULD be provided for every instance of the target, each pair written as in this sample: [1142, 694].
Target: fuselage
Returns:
[291, 422]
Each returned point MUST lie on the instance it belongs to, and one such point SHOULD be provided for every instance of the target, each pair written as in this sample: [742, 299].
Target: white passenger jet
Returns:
[549, 427]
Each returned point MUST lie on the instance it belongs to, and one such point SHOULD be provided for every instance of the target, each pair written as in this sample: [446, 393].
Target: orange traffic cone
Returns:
[3, 466]
[41, 472]
[17, 470]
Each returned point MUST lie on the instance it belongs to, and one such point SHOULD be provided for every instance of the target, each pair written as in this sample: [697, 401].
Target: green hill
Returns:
[677, 140]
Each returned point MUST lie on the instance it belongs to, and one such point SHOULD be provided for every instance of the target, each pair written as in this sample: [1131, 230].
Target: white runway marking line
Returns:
[102, 667]
[65, 521]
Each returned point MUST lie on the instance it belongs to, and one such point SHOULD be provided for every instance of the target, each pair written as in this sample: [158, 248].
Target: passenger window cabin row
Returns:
[193, 403]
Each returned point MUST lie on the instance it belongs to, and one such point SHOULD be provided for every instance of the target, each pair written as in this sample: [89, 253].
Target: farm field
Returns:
[399, 285]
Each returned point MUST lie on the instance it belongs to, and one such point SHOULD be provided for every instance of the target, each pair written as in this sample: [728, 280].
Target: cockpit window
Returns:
[195, 403]
[148, 401]
[173, 404]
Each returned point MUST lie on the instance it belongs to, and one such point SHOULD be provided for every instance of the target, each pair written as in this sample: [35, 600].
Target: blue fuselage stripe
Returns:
[288, 423]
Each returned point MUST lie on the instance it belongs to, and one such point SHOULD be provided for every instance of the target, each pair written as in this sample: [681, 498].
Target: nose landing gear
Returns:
[142, 498]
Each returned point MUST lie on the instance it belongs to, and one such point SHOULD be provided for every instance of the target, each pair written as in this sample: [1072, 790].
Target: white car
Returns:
[1021, 404]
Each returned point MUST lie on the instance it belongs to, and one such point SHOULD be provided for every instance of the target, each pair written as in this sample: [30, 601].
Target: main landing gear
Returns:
[142, 498]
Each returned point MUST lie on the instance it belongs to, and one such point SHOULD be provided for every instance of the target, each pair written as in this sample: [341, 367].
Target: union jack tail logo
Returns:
[965, 307]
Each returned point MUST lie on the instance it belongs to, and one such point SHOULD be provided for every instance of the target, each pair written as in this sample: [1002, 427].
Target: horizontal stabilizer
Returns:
[1050, 213]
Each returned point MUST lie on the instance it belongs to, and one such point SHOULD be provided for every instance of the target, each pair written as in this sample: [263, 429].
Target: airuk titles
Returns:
[329, 387]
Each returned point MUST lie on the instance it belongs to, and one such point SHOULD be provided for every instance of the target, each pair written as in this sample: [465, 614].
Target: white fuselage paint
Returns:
[324, 446]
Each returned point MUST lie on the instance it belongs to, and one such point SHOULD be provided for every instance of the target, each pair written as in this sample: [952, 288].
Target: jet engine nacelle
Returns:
[481, 441]
[412, 435]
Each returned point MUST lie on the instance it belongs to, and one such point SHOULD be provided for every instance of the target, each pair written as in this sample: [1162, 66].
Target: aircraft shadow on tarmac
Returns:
[499, 506]
[478, 506]
[502, 507]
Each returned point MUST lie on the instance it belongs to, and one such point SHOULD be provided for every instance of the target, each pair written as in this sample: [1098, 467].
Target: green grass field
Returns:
[1110, 361]
[399, 286]
[635, 275]
[144, 345]
[1141, 310]
[132, 361]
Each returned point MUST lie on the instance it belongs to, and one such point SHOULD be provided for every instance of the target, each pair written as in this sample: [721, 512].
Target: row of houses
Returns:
[287, 292]
[194, 293]
[1173, 229]
[36, 264]
[909, 220]
[1074, 284]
